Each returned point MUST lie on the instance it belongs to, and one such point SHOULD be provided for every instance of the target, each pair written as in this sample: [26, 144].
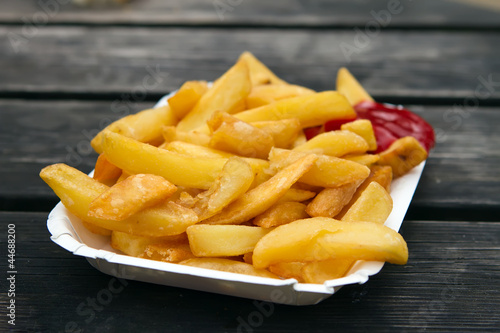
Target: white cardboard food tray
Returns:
[68, 232]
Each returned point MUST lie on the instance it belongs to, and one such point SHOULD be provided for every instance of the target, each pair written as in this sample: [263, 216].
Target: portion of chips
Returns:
[223, 178]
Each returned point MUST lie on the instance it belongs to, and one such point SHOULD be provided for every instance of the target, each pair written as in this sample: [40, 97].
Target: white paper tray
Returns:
[68, 232]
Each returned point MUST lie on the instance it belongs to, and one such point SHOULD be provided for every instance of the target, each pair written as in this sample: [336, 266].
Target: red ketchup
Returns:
[390, 122]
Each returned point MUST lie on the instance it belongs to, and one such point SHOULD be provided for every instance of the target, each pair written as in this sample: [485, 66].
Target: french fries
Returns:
[227, 265]
[335, 143]
[284, 132]
[310, 110]
[403, 155]
[186, 98]
[130, 196]
[145, 126]
[320, 271]
[178, 169]
[234, 180]
[171, 133]
[374, 204]
[238, 137]
[269, 93]
[262, 197]
[363, 128]
[322, 238]
[77, 190]
[327, 171]
[168, 248]
[259, 73]
[105, 172]
[330, 201]
[350, 87]
[227, 94]
[289, 270]
[223, 178]
[223, 240]
[281, 213]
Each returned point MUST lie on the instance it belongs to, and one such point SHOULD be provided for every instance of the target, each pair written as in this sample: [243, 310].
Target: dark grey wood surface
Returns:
[86, 62]
[451, 283]
[443, 14]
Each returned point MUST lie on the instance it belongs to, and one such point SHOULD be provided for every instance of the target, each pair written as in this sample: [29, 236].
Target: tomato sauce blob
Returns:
[390, 122]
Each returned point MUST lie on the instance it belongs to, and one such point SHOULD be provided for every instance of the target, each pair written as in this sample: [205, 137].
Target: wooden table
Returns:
[67, 70]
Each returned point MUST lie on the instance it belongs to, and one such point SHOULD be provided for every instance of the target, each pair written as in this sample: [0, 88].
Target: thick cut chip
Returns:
[322, 238]
[235, 179]
[259, 73]
[131, 245]
[186, 97]
[106, 172]
[379, 174]
[269, 93]
[374, 205]
[130, 196]
[363, 128]
[227, 265]
[307, 187]
[145, 126]
[136, 157]
[335, 143]
[188, 149]
[327, 171]
[311, 110]
[284, 132]
[223, 240]
[320, 271]
[227, 94]
[281, 213]
[77, 190]
[123, 176]
[166, 249]
[96, 230]
[330, 201]
[262, 197]
[194, 150]
[288, 270]
[348, 86]
[168, 252]
[247, 257]
[403, 155]
[134, 245]
[185, 199]
[170, 133]
[364, 159]
[382, 174]
[301, 139]
[296, 194]
[238, 137]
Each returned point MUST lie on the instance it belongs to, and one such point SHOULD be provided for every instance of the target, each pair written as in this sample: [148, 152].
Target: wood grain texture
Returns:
[282, 13]
[460, 181]
[108, 60]
[39, 133]
[450, 284]
[463, 164]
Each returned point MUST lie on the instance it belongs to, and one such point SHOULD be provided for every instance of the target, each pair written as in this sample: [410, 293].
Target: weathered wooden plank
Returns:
[97, 61]
[465, 160]
[450, 284]
[406, 13]
[35, 134]
[460, 181]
